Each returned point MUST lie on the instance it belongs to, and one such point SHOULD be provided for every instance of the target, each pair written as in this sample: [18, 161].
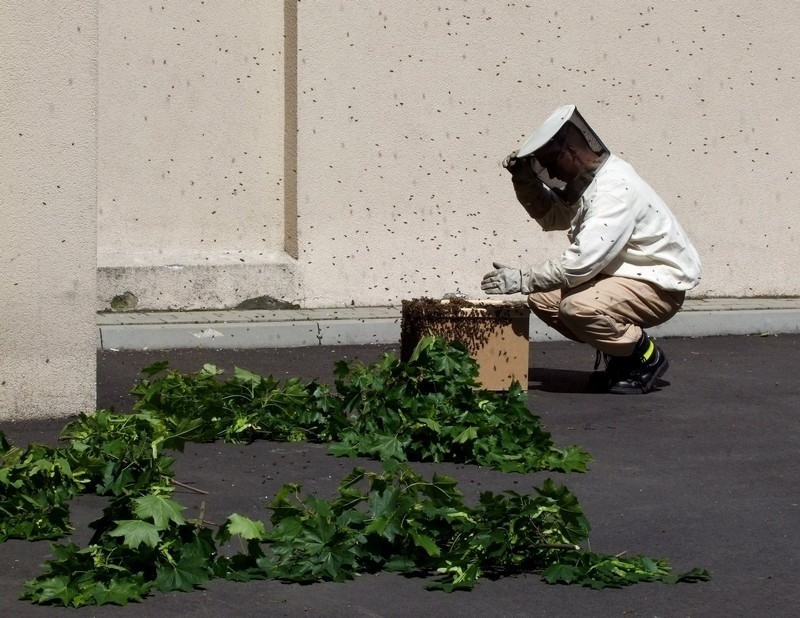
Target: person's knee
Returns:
[572, 309]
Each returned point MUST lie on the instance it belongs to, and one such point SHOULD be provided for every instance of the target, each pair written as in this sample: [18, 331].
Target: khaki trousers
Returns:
[608, 313]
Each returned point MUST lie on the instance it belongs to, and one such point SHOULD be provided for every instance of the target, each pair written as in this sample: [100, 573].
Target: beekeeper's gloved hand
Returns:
[520, 169]
[502, 280]
[510, 161]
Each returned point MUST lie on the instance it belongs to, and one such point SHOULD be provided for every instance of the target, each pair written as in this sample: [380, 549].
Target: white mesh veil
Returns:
[550, 137]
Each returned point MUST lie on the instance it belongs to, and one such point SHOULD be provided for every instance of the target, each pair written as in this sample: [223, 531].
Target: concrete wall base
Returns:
[381, 325]
[229, 280]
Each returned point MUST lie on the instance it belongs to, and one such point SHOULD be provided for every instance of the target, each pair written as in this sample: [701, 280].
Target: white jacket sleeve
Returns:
[547, 276]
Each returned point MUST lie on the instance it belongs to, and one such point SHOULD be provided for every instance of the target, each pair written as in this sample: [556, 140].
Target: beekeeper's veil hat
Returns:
[550, 137]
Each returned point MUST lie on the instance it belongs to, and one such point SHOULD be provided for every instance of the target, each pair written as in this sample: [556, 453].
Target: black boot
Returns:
[601, 380]
[638, 372]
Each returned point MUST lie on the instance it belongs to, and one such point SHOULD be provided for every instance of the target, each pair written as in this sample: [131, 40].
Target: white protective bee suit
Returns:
[629, 262]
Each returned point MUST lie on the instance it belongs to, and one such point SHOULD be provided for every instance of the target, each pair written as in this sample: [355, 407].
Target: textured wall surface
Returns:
[191, 122]
[405, 112]
[396, 121]
[48, 234]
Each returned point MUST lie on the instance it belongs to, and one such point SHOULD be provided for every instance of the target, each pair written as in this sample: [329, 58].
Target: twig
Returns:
[558, 546]
[201, 516]
[189, 487]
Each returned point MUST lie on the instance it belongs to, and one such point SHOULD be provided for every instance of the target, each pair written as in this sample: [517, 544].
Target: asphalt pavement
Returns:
[703, 472]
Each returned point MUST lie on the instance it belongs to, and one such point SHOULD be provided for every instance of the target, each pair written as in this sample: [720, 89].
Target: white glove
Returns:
[502, 280]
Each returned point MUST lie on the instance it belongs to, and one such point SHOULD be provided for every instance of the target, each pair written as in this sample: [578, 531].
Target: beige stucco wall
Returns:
[47, 191]
[191, 144]
[406, 110]
[402, 113]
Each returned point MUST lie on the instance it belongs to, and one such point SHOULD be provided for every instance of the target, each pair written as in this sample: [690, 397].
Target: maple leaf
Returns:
[51, 589]
[120, 591]
[184, 576]
[246, 527]
[136, 532]
[160, 509]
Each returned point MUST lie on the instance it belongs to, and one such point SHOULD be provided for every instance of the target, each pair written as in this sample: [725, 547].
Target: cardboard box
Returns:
[495, 332]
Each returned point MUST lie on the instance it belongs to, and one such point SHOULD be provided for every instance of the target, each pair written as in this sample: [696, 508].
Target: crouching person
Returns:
[629, 262]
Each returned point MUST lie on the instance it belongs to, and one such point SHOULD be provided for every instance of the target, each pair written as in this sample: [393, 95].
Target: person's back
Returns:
[655, 248]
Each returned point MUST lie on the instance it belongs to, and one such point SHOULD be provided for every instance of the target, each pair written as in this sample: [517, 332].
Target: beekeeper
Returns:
[629, 263]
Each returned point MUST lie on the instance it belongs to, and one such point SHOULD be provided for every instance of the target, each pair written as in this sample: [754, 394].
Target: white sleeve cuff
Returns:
[543, 278]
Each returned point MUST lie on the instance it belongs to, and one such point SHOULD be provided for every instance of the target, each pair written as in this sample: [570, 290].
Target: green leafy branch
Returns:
[393, 521]
[139, 543]
[397, 521]
[432, 409]
[36, 486]
[202, 408]
[428, 409]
